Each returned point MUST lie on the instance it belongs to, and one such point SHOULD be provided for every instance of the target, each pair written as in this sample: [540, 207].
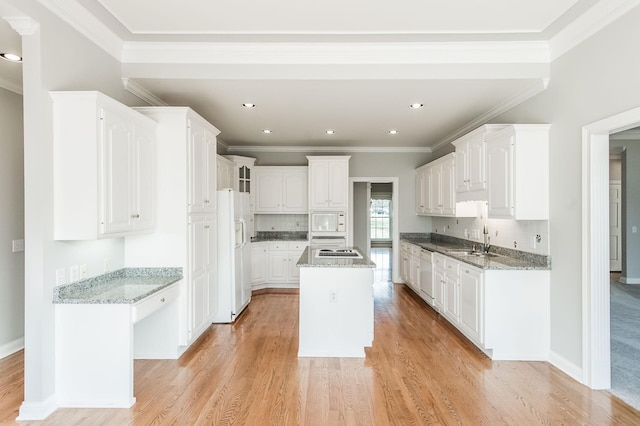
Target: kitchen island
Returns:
[336, 305]
[103, 323]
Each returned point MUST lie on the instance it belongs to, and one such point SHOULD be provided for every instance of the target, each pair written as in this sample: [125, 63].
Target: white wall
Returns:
[56, 58]
[11, 223]
[370, 164]
[595, 80]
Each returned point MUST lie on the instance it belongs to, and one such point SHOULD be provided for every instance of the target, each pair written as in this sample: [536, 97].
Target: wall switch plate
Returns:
[61, 276]
[533, 241]
[107, 265]
[333, 297]
[83, 271]
[17, 245]
[74, 273]
[634, 229]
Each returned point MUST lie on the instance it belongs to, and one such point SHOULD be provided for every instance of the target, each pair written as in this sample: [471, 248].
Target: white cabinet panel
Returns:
[104, 167]
[259, 253]
[281, 189]
[471, 281]
[328, 182]
[518, 172]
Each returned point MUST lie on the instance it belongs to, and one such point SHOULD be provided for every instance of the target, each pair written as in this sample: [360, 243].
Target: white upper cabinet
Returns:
[518, 172]
[242, 172]
[226, 173]
[104, 167]
[471, 170]
[281, 189]
[202, 161]
[328, 182]
[435, 190]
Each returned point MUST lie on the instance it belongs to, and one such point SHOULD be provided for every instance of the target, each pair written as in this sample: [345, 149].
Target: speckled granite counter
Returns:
[308, 260]
[500, 261]
[124, 286]
[262, 236]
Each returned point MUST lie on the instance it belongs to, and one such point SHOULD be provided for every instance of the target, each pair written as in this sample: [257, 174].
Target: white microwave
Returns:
[327, 223]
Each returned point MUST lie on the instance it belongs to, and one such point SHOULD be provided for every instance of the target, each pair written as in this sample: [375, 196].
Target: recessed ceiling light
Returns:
[266, 131]
[330, 132]
[248, 105]
[12, 57]
[393, 132]
[416, 105]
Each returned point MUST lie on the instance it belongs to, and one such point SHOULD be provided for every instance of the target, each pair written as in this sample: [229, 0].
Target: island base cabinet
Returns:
[336, 312]
[94, 371]
[517, 309]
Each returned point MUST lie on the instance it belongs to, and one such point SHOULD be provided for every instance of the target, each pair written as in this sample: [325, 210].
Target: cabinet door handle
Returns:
[206, 201]
[135, 216]
[206, 227]
[162, 300]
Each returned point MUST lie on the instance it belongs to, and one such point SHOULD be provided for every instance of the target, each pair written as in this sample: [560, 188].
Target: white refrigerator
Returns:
[234, 255]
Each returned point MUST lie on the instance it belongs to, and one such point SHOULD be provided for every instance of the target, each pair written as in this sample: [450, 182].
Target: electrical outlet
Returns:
[107, 265]
[333, 297]
[61, 276]
[533, 241]
[17, 245]
[83, 272]
[74, 273]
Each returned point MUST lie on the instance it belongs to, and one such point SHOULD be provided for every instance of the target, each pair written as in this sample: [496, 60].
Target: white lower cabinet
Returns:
[470, 302]
[503, 312]
[274, 264]
[258, 264]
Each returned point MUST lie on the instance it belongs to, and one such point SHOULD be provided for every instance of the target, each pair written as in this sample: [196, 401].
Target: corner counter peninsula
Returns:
[336, 305]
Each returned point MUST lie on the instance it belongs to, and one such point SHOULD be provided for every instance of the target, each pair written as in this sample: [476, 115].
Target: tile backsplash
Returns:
[525, 235]
[282, 222]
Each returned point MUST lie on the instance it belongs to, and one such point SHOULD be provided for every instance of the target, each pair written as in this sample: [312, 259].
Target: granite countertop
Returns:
[308, 260]
[124, 286]
[263, 236]
[522, 261]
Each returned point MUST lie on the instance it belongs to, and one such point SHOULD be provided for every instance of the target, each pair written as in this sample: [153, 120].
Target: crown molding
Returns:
[346, 149]
[72, 12]
[593, 20]
[516, 100]
[493, 52]
[23, 25]
[10, 86]
[139, 91]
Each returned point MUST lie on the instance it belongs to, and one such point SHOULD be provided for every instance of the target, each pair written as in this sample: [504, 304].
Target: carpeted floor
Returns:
[625, 341]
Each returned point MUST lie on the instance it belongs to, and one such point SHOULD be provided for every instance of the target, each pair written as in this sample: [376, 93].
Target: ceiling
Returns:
[313, 66]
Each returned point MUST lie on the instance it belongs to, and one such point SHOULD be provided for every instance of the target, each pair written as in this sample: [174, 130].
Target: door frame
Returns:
[596, 332]
[395, 203]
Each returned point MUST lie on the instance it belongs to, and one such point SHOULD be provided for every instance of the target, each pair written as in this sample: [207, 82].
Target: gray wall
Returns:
[360, 213]
[369, 164]
[631, 212]
[11, 222]
[597, 79]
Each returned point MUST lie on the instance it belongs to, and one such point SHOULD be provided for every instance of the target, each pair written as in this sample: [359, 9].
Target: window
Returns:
[380, 219]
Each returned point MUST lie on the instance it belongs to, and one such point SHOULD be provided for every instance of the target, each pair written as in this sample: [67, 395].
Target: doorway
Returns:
[372, 219]
[596, 315]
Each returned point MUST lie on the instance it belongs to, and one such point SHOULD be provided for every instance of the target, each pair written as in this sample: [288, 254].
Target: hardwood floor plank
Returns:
[419, 371]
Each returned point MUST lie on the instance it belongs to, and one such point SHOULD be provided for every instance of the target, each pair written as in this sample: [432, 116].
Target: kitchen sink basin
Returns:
[470, 253]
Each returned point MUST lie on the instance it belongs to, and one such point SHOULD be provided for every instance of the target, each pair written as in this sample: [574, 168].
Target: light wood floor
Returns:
[419, 371]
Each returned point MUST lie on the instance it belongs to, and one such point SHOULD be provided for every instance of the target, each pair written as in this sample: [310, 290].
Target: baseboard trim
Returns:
[37, 410]
[567, 367]
[627, 280]
[11, 347]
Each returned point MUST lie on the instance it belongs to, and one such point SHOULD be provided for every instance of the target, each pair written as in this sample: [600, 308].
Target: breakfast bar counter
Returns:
[336, 304]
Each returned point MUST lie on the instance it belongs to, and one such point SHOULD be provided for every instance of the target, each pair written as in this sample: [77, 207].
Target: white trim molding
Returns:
[142, 93]
[11, 347]
[37, 410]
[514, 101]
[76, 15]
[574, 371]
[23, 25]
[627, 280]
[491, 52]
[596, 334]
[302, 148]
[10, 86]
[593, 20]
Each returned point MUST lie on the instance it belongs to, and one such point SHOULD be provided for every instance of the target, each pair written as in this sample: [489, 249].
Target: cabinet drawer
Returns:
[416, 250]
[452, 266]
[149, 305]
[425, 255]
[278, 246]
[297, 246]
[438, 260]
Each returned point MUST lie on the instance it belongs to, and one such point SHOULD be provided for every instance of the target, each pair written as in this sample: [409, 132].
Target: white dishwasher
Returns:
[426, 276]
